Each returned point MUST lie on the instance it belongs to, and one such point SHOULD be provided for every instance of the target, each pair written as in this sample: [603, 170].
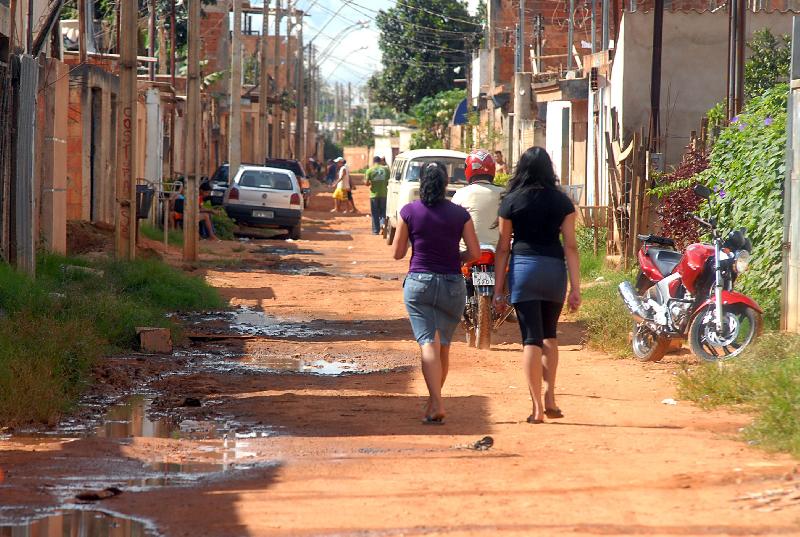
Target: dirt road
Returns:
[303, 452]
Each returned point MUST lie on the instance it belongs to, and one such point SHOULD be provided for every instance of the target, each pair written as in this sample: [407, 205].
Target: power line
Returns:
[401, 3]
[356, 5]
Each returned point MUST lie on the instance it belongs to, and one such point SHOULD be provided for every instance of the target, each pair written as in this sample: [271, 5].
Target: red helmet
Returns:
[479, 163]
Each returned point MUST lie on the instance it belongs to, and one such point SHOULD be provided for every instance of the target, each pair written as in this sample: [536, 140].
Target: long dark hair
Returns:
[433, 184]
[534, 170]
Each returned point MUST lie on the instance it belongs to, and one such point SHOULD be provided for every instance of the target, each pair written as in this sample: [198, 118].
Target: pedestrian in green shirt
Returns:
[377, 181]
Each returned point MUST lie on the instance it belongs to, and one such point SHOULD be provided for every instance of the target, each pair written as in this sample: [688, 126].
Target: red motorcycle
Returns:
[690, 295]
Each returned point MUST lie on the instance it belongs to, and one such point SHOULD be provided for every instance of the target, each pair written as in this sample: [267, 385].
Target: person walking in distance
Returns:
[346, 184]
[536, 214]
[502, 167]
[481, 198]
[434, 291]
[377, 181]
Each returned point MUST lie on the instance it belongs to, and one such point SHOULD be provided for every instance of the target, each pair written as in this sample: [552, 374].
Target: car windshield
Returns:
[265, 179]
[221, 175]
[291, 165]
[455, 168]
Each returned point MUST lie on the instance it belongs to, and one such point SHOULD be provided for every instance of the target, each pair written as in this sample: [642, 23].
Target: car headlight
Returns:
[742, 261]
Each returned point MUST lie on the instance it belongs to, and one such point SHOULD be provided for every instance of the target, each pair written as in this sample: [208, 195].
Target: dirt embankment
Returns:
[309, 453]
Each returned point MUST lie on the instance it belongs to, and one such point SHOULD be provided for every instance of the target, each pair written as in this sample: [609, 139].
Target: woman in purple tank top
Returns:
[434, 290]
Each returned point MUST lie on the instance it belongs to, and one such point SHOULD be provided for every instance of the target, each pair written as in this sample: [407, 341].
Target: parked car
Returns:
[219, 184]
[266, 197]
[404, 180]
[299, 171]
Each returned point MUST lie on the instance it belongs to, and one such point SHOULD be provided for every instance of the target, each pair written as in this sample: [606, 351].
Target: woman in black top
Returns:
[537, 214]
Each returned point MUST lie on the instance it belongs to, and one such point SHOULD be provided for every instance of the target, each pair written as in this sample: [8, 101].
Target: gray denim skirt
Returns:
[435, 303]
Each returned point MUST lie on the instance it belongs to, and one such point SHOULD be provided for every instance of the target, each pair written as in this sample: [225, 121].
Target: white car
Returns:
[266, 197]
[404, 180]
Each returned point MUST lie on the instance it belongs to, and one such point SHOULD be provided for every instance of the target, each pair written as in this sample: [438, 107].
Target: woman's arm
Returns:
[401, 240]
[502, 253]
[471, 240]
[573, 261]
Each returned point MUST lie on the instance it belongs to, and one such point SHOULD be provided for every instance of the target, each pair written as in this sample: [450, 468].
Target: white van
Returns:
[404, 180]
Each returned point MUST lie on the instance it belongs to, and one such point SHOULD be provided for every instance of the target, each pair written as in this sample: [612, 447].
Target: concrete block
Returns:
[155, 340]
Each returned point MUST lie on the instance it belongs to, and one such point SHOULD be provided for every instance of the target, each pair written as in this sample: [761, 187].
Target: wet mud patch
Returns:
[90, 523]
[247, 322]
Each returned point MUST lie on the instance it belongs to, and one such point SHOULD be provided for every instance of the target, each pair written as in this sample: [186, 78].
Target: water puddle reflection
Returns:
[77, 523]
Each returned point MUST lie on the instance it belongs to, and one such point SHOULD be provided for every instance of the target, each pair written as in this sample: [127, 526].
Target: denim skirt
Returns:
[435, 303]
[537, 277]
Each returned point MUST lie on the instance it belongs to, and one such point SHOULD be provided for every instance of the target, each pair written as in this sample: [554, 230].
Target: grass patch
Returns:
[174, 236]
[763, 381]
[604, 315]
[54, 328]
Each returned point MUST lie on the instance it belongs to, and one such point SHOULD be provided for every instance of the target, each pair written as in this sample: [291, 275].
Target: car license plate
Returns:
[483, 278]
[264, 214]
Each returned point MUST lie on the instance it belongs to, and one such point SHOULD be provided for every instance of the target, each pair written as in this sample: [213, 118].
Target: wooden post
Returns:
[151, 45]
[235, 114]
[191, 229]
[277, 112]
[82, 25]
[263, 93]
[125, 238]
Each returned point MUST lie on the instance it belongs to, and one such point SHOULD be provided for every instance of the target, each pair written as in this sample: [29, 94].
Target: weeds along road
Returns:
[326, 455]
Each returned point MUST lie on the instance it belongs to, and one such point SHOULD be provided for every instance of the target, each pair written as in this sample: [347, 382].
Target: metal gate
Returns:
[790, 318]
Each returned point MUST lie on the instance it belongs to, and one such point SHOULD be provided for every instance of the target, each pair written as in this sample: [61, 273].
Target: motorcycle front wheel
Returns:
[647, 345]
[740, 327]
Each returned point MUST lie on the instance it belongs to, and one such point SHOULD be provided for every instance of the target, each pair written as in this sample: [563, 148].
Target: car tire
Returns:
[295, 232]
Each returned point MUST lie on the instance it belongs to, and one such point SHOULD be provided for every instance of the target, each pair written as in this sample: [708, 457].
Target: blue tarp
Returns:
[460, 115]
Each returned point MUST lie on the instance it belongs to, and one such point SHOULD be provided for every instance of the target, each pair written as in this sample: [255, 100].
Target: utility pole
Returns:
[349, 103]
[655, 78]
[594, 26]
[277, 112]
[521, 43]
[235, 112]
[82, 25]
[172, 21]
[606, 38]
[126, 223]
[263, 94]
[151, 45]
[192, 138]
[287, 126]
[300, 129]
[570, 34]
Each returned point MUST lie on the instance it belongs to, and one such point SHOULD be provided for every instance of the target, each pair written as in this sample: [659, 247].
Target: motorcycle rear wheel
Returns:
[647, 345]
[483, 326]
[706, 344]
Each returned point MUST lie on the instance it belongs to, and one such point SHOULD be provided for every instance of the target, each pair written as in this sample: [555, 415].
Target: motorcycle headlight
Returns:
[742, 261]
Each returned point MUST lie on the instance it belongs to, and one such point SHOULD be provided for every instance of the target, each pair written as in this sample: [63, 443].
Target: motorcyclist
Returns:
[481, 198]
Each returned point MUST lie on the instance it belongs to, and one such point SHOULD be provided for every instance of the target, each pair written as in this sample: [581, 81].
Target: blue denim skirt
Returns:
[537, 277]
[435, 303]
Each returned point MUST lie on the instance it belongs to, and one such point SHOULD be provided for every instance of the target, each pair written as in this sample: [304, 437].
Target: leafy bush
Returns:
[769, 62]
[433, 115]
[747, 168]
[501, 179]
[678, 201]
[764, 381]
[223, 225]
[607, 321]
[53, 329]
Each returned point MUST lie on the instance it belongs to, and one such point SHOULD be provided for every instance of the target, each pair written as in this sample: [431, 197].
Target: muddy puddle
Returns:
[78, 523]
[249, 322]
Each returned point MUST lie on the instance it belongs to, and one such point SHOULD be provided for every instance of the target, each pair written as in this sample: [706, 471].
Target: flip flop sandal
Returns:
[553, 413]
[431, 420]
[534, 421]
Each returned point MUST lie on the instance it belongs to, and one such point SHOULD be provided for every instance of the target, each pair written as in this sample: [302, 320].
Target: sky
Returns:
[356, 55]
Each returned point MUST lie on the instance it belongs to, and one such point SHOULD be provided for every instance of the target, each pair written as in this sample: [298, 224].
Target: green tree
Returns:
[768, 64]
[425, 46]
[359, 132]
[433, 116]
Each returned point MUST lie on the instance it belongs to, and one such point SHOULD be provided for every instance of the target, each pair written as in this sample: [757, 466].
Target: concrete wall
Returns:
[694, 70]
[357, 157]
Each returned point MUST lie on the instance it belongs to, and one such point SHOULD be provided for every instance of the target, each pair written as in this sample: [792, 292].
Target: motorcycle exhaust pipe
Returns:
[634, 302]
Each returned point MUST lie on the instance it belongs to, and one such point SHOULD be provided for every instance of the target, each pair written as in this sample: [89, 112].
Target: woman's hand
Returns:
[574, 299]
[500, 303]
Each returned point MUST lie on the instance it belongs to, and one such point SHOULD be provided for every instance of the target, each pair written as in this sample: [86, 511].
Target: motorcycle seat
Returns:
[664, 260]
[655, 239]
